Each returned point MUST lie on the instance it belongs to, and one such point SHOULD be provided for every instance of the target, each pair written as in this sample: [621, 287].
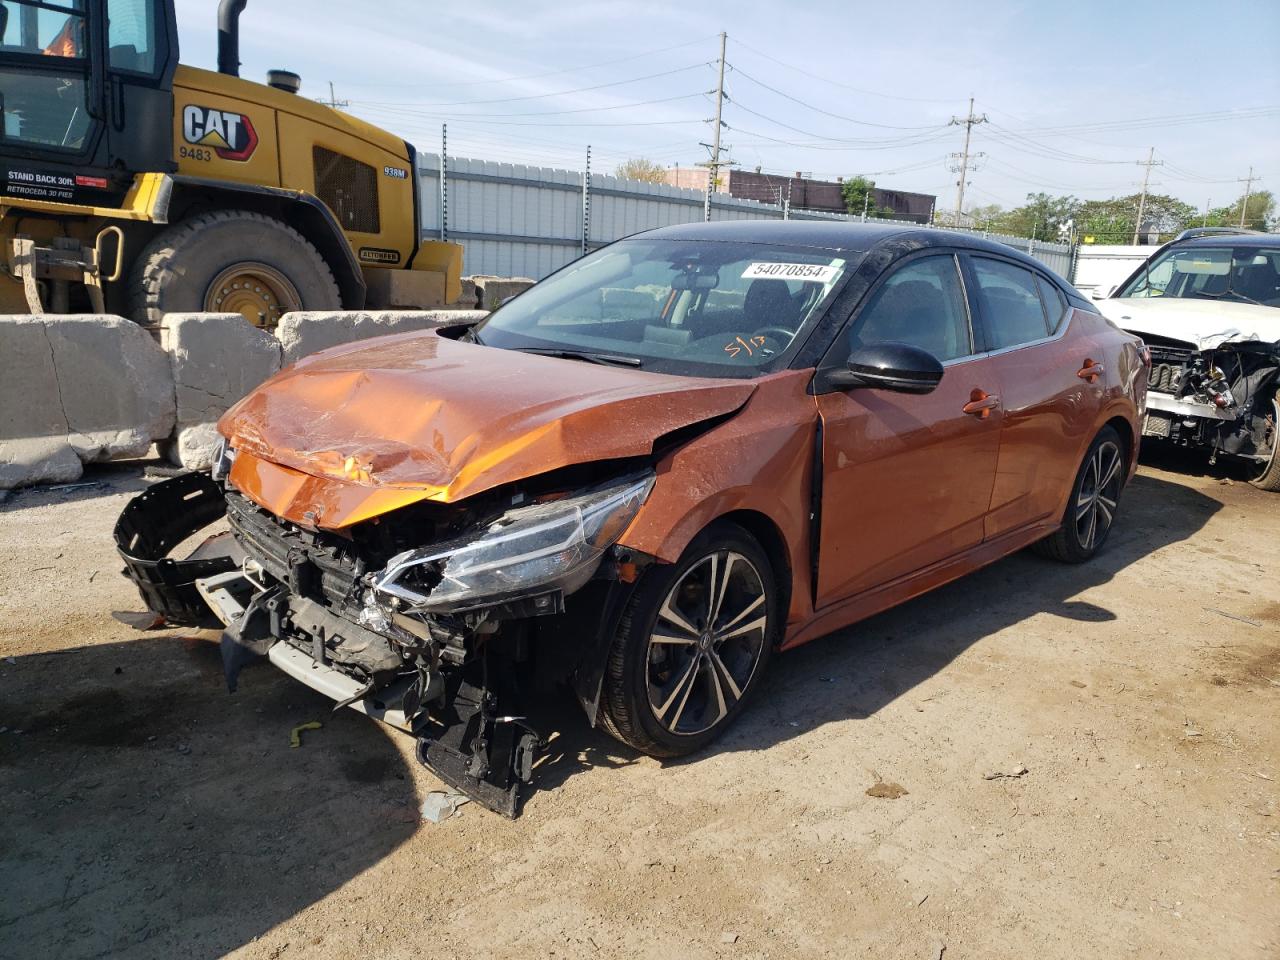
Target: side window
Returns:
[1010, 303]
[1055, 305]
[131, 35]
[921, 304]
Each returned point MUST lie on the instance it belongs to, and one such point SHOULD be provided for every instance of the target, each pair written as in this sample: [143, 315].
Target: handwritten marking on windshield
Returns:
[738, 345]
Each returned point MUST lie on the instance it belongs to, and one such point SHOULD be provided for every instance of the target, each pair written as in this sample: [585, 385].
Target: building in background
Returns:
[803, 193]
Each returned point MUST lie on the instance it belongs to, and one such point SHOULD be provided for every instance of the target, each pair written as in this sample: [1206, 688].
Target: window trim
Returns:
[968, 257]
[836, 349]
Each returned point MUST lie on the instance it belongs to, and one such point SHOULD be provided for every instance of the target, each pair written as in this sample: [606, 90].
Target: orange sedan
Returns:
[646, 474]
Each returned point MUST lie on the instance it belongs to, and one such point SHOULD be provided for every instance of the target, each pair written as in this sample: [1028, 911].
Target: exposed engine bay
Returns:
[438, 619]
[1220, 398]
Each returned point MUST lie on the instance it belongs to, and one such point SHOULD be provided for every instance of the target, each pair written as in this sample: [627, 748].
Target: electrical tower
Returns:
[965, 157]
[1146, 179]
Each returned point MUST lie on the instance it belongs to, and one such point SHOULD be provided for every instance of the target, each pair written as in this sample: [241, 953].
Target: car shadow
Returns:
[1164, 455]
[857, 671]
[148, 813]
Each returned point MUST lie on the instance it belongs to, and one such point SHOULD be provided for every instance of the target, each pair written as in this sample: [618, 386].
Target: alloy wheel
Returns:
[710, 633]
[1097, 494]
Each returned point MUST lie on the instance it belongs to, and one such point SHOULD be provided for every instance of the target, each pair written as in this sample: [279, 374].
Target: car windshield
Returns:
[1241, 274]
[691, 307]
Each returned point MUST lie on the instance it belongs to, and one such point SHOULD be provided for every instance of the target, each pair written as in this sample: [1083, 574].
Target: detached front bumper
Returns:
[459, 682]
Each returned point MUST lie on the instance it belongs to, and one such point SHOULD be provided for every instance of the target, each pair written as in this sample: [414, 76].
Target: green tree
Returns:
[860, 196]
[1259, 215]
[1112, 221]
[640, 168]
[1038, 218]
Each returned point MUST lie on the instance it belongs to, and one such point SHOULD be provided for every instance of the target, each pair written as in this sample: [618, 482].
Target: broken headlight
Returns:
[543, 547]
[223, 456]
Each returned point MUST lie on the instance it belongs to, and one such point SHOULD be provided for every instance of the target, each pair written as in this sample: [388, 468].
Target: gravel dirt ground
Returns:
[144, 812]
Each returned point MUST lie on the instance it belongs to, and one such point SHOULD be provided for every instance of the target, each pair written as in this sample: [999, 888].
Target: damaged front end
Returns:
[438, 619]
[1222, 399]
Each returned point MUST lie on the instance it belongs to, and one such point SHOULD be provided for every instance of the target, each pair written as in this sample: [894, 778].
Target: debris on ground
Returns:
[1233, 616]
[938, 950]
[1013, 774]
[145, 620]
[886, 791]
[439, 806]
[1079, 684]
[295, 737]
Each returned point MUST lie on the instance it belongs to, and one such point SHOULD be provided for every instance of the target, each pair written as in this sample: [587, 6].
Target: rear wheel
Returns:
[1095, 496]
[231, 261]
[692, 645]
[1268, 477]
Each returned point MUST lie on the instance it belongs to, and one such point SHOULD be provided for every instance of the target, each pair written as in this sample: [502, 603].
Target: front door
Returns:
[906, 479]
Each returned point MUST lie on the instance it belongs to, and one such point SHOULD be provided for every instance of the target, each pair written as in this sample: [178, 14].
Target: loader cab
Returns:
[86, 96]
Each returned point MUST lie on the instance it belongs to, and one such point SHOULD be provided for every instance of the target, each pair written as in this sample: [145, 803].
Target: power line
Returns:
[837, 83]
[415, 111]
[540, 76]
[816, 109]
[542, 96]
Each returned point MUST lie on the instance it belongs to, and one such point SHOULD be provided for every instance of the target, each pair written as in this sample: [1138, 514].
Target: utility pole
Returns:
[714, 165]
[1142, 201]
[333, 101]
[968, 123]
[1248, 188]
[1205, 221]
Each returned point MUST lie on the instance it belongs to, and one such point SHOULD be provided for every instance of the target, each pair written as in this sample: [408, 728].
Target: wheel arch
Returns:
[769, 535]
[301, 211]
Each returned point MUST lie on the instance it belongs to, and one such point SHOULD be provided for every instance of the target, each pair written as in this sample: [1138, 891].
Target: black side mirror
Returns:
[889, 366]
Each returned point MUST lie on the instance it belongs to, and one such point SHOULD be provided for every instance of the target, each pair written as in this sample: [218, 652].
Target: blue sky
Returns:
[1076, 92]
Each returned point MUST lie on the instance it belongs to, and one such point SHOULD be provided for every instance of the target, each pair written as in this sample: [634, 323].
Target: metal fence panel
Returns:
[520, 221]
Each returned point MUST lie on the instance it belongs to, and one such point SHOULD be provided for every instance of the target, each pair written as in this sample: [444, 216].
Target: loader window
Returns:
[43, 89]
[131, 35]
[50, 29]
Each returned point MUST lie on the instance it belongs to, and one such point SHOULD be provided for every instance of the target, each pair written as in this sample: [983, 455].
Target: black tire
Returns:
[1269, 478]
[1073, 542]
[175, 272]
[627, 711]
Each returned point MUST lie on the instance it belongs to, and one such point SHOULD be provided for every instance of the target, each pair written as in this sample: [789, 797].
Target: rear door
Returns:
[1050, 402]
[906, 479]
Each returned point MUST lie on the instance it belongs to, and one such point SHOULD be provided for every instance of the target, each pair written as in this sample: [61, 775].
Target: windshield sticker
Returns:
[807, 272]
[737, 345]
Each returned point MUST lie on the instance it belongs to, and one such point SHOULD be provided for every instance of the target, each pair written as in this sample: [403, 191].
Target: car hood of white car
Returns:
[1205, 324]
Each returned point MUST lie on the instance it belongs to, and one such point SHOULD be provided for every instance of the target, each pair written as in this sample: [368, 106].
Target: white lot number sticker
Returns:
[807, 272]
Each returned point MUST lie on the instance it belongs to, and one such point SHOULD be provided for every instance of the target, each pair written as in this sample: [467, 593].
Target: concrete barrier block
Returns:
[80, 388]
[494, 291]
[304, 332]
[115, 385]
[215, 358]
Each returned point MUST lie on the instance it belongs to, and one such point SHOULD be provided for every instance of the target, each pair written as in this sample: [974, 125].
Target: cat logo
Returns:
[230, 135]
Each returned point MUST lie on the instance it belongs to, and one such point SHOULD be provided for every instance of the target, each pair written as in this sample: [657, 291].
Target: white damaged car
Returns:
[1208, 307]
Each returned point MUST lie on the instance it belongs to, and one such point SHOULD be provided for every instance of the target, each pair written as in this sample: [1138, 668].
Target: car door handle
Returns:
[1091, 371]
[981, 404]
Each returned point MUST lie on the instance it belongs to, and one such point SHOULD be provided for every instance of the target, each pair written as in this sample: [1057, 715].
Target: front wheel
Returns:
[692, 645]
[1091, 509]
[1268, 477]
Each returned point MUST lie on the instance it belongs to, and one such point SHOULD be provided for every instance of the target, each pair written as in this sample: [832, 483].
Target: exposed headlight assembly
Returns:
[528, 550]
[224, 455]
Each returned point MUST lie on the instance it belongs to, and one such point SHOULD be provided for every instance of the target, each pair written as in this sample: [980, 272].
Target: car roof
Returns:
[837, 235]
[1270, 240]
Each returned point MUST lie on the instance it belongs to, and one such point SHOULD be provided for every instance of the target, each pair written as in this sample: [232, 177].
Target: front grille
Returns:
[1167, 367]
[349, 188]
[282, 552]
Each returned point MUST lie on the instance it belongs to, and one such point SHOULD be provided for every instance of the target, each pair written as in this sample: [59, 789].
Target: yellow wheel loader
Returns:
[132, 184]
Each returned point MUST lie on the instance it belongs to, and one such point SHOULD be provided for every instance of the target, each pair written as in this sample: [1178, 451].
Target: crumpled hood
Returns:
[369, 427]
[1202, 323]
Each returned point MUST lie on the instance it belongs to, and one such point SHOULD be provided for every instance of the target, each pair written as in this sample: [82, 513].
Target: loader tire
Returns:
[230, 261]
